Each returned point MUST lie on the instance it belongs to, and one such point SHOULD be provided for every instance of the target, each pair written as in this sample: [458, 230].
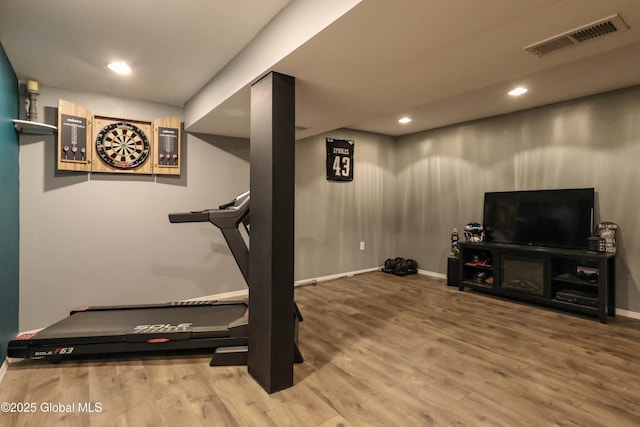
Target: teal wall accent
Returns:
[9, 220]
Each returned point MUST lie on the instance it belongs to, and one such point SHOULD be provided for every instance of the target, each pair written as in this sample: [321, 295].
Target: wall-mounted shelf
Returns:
[34, 128]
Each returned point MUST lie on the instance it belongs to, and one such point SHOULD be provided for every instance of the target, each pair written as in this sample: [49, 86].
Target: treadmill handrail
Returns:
[229, 217]
[202, 216]
[221, 218]
[228, 220]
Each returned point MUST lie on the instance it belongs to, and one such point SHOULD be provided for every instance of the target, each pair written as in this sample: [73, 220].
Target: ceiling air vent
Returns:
[574, 37]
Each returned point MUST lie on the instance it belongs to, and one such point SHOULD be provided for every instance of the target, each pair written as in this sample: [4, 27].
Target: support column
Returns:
[272, 184]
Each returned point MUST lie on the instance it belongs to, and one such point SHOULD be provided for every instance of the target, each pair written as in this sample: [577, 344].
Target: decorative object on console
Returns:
[595, 244]
[455, 248]
[473, 232]
[607, 232]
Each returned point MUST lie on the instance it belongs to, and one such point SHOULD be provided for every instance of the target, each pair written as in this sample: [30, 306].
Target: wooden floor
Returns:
[380, 350]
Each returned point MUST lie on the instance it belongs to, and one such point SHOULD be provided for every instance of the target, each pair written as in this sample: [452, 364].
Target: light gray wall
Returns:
[105, 239]
[592, 142]
[332, 218]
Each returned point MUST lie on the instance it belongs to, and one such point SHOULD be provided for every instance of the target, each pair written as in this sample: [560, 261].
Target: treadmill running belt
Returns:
[131, 321]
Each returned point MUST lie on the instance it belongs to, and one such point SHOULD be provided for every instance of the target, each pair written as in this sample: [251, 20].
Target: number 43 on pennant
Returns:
[340, 159]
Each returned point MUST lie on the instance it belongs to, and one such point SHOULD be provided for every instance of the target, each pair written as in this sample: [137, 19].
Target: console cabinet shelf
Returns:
[568, 279]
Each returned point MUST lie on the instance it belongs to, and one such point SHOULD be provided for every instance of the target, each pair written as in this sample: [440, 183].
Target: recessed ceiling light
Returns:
[119, 67]
[404, 120]
[518, 91]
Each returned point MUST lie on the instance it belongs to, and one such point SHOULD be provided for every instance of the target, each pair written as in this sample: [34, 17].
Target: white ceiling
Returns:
[174, 46]
[438, 62]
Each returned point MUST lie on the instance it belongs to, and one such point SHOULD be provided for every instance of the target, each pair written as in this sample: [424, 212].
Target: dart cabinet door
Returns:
[167, 146]
[121, 146]
[75, 149]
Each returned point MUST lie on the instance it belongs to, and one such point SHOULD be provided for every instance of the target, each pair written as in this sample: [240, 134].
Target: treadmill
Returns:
[187, 325]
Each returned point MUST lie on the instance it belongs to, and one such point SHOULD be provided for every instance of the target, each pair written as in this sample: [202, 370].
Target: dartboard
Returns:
[122, 145]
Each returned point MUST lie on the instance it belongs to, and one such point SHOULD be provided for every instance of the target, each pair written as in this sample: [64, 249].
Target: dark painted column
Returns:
[271, 322]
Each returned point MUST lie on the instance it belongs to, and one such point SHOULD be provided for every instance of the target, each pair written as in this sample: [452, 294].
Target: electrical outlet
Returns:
[362, 246]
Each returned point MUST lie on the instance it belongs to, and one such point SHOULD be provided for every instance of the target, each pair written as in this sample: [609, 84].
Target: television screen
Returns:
[558, 218]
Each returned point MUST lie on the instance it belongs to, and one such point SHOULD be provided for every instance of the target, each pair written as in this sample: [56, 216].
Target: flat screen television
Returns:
[556, 218]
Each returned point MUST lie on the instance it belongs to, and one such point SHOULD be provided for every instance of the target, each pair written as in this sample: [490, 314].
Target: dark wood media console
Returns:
[575, 280]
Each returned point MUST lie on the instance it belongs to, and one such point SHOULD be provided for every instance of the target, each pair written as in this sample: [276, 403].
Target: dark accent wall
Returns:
[9, 221]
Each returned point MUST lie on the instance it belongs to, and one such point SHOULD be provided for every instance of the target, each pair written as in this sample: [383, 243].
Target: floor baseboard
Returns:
[303, 282]
[316, 280]
[627, 313]
[3, 369]
[432, 274]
